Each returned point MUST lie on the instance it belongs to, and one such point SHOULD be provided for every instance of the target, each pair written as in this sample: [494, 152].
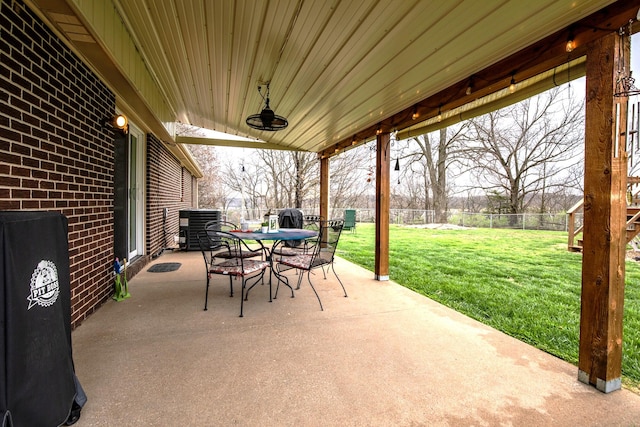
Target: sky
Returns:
[635, 57]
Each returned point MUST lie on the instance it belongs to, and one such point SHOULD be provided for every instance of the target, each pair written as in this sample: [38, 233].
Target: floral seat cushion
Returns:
[236, 254]
[234, 268]
[299, 261]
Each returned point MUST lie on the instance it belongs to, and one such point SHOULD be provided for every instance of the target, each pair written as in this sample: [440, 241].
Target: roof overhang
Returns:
[338, 71]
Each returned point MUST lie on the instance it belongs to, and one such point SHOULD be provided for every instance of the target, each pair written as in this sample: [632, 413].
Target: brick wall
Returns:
[168, 186]
[54, 153]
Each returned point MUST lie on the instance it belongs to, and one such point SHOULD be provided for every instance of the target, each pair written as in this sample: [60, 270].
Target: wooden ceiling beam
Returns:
[537, 58]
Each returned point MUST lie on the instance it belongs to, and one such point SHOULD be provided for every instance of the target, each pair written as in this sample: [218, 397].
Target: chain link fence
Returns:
[553, 222]
[527, 221]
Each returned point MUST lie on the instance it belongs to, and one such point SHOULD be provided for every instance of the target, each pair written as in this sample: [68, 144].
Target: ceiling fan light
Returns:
[267, 116]
[267, 119]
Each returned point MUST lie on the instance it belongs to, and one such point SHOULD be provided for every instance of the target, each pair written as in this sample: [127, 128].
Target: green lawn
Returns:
[524, 283]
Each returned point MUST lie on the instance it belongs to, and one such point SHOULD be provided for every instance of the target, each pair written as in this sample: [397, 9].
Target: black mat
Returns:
[164, 267]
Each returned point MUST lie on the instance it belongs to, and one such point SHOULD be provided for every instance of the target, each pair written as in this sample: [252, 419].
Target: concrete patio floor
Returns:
[384, 356]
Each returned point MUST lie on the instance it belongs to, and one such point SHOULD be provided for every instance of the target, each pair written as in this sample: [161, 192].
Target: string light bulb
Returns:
[379, 130]
[512, 86]
[439, 114]
[415, 114]
[571, 44]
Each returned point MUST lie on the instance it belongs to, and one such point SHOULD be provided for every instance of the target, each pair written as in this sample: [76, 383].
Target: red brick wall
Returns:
[168, 186]
[54, 153]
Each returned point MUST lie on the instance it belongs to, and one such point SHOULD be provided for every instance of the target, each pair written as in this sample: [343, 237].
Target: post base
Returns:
[602, 385]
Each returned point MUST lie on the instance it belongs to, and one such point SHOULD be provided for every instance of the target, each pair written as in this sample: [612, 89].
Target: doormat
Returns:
[164, 267]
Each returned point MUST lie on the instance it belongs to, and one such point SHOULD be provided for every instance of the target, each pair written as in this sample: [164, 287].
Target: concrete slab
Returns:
[384, 356]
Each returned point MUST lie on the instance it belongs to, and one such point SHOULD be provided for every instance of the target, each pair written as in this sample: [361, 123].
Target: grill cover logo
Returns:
[44, 285]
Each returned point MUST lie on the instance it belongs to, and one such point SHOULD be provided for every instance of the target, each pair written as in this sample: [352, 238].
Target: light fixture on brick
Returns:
[118, 122]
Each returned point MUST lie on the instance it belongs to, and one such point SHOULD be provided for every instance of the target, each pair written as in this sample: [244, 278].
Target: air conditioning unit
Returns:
[192, 221]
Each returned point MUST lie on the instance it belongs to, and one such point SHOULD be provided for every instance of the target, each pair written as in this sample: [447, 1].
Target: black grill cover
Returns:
[291, 218]
[35, 312]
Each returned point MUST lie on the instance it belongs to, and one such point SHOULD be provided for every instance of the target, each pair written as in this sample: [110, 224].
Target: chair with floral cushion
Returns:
[297, 247]
[321, 256]
[218, 245]
[212, 226]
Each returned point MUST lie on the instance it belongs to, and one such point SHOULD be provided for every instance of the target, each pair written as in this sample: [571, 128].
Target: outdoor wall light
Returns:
[118, 122]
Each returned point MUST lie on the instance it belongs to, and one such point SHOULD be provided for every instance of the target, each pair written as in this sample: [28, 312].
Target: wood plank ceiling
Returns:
[338, 69]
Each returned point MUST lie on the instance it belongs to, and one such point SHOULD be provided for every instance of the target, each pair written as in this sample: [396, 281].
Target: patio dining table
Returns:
[282, 234]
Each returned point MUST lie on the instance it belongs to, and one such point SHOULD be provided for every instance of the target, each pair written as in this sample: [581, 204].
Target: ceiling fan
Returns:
[267, 119]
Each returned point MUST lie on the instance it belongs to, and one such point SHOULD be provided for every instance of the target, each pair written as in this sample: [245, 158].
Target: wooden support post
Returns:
[383, 163]
[603, 261]
[324, 188]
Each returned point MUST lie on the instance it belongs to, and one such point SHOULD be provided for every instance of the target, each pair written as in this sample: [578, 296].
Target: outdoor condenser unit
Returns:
[191, 222]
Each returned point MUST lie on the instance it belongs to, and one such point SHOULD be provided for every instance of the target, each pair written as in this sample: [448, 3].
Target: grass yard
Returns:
[524, 283]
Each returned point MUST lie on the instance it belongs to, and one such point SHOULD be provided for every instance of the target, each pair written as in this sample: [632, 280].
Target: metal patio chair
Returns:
[297, 247]
[322, 255]
[212, 227]
[220, 247]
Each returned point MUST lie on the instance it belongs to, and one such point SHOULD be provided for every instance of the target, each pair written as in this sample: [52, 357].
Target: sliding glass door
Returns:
[135, 192]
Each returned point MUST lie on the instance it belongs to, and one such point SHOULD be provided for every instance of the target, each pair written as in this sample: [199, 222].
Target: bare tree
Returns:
[276, 166]
[348, 178]
[414, 188]
[524, 151]
[267, 180]
[291, 174]
[211, 194]
[431, 156]
[244, 181]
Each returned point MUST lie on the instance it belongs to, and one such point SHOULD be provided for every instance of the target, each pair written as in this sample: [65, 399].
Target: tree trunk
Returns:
[299, 180]
[440, 184]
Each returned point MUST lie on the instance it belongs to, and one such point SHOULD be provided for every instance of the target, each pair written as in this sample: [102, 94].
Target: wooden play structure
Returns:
[575, 224]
